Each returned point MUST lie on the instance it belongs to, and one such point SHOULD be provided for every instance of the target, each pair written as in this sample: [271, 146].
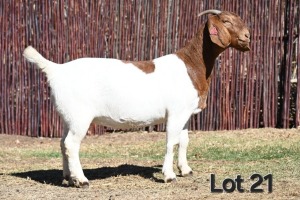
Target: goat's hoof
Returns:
[185, 171]
[85, 185]
[65, 183]
[79, 184]
[188, 174]
[170, 180]
[73, 182]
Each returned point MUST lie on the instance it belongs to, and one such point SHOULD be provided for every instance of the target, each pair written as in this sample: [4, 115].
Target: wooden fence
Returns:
[260, 88]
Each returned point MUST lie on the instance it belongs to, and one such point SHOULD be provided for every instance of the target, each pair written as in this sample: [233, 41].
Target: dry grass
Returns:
[128, 165]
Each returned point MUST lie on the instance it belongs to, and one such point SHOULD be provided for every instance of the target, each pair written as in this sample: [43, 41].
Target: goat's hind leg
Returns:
[70, 145]
[66, 170]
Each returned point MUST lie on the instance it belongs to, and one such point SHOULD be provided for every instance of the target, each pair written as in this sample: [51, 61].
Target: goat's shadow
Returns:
[54, 176]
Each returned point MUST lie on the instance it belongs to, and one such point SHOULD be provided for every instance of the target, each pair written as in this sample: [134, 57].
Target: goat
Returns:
[127, 94]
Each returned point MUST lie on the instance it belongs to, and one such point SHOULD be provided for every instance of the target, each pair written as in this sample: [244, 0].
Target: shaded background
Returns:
[259, 88]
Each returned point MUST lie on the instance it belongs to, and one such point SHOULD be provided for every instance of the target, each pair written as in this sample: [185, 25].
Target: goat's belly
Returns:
[127, 123]
[126, 109]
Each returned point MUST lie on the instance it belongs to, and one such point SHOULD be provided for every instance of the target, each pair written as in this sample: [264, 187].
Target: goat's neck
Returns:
[210, 51]
[201, 52]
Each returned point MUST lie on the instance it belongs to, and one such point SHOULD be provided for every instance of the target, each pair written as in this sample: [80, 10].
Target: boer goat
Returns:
[126, 94]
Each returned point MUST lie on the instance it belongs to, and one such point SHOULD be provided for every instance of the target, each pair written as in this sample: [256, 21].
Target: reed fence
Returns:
[260, 88]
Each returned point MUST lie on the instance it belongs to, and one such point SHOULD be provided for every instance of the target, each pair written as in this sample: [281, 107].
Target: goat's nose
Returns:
[247, 35]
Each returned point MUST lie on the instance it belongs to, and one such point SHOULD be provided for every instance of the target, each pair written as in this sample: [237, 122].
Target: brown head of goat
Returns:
[222, 30]
[228, 30]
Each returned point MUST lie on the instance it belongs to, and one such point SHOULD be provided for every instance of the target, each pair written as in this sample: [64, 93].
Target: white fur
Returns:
[117, 94]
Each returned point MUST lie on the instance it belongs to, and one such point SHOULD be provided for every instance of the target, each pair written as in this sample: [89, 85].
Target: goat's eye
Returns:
[227, 22]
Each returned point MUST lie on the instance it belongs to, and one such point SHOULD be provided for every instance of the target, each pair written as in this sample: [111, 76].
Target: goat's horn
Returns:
[216, 12]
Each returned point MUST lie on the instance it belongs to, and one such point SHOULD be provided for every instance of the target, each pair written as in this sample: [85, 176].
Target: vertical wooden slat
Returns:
[298, 69]
[244, 89]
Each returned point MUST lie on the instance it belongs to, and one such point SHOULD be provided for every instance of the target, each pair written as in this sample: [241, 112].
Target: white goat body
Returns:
[118, 94]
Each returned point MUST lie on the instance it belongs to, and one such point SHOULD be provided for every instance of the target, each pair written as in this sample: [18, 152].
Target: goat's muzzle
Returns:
[244, 45]
[244, 41]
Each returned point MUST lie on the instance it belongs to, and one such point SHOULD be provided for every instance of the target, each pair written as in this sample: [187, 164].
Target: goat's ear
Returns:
[218, 32]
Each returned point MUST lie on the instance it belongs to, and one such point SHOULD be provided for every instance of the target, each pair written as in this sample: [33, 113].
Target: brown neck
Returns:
[201, 52]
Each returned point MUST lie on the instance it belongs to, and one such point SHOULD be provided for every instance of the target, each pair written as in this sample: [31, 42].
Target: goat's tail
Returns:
[32, 55]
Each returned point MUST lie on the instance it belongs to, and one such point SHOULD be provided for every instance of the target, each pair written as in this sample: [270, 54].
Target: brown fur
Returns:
[212, 39]
[147, 66]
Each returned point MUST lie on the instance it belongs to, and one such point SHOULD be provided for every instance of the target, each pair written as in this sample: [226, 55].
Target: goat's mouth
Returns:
[244, 45]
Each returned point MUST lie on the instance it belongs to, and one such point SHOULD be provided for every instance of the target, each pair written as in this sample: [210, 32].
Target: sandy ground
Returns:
[36, 177]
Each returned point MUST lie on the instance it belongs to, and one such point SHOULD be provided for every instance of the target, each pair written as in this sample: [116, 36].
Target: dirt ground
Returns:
[30, 168]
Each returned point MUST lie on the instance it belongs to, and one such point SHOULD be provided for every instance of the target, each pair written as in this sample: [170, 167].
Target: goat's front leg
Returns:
[168, 163]
[174, 128]
[183, 167]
